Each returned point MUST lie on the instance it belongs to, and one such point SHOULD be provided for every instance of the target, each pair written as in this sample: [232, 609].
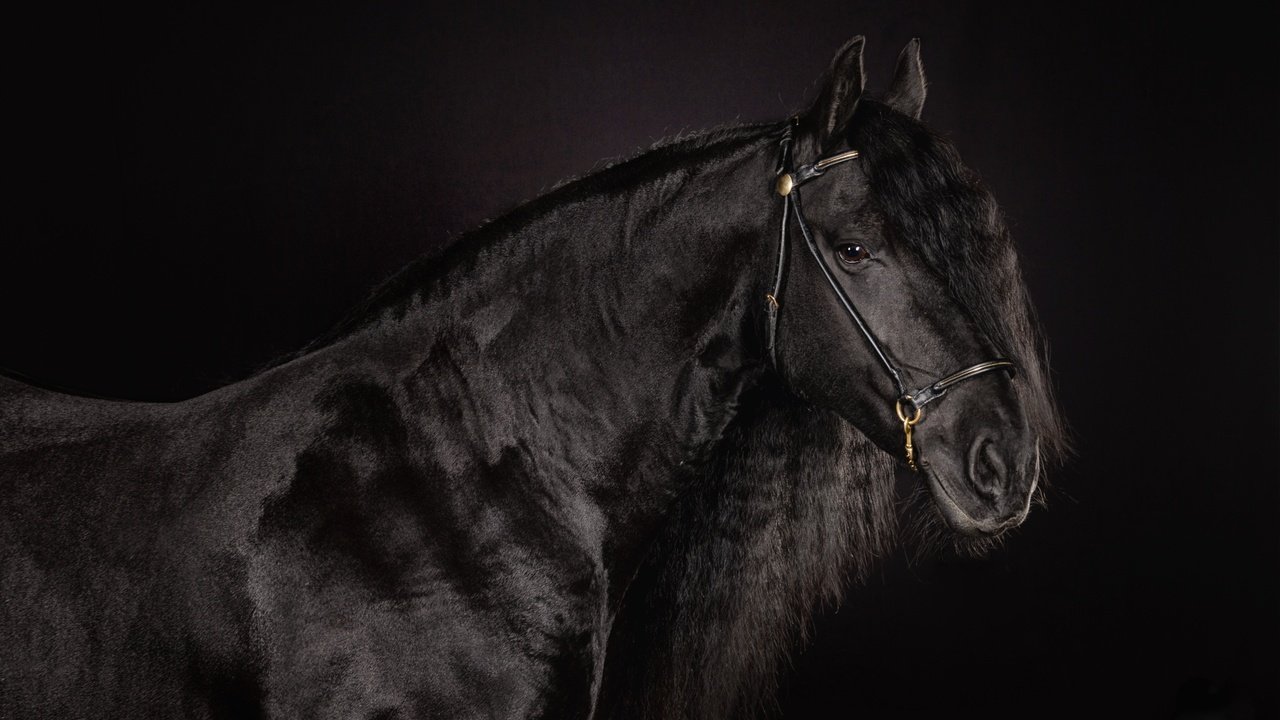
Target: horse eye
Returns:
[852, 253]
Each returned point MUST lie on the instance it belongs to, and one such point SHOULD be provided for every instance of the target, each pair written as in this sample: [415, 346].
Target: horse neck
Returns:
[606, 333]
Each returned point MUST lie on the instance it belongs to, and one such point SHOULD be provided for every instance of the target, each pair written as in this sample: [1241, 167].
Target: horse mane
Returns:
[610, 177]
[796, 501]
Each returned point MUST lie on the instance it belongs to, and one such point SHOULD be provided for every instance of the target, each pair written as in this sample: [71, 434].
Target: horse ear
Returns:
[906, 94]
[840, 92]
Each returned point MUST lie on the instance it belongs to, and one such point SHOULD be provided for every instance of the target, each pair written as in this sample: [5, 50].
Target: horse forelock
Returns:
[937, 207]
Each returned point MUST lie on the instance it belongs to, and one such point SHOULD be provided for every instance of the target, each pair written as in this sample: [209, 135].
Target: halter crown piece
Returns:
[909, 406]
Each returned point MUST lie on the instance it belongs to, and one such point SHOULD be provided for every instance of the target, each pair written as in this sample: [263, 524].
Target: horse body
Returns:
[435, 514]
[552, 472]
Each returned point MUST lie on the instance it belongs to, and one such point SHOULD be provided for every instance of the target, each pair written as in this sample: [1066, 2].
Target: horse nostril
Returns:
[987, 471]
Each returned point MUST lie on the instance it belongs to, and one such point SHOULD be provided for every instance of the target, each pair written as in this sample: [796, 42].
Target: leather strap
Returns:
[780, 268]
[929, 393]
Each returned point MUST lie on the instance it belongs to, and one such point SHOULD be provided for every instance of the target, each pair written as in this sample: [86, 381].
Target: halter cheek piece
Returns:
[909, 405]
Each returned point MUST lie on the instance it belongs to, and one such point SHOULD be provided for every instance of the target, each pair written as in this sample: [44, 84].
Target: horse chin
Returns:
[945, 492]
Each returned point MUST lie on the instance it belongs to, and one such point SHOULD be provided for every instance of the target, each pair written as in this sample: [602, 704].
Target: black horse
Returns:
[601, 457]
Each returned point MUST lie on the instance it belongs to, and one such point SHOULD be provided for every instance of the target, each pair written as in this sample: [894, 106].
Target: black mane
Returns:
[795, 502]
[416, 280]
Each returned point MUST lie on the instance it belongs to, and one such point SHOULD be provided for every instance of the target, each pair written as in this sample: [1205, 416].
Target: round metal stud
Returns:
[785, 184]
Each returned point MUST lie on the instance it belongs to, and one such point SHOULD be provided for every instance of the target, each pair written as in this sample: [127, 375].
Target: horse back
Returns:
[89, 601]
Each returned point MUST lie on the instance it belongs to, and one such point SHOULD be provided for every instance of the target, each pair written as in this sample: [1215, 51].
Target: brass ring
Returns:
[902, 415]
[773, 301]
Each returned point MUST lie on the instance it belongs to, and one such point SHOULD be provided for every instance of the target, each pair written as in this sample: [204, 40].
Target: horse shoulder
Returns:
[404, 567]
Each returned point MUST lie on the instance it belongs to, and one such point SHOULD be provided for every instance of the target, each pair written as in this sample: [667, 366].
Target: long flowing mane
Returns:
[797, 501]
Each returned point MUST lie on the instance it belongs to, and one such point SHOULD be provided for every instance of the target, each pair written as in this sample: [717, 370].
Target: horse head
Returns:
[899, 302]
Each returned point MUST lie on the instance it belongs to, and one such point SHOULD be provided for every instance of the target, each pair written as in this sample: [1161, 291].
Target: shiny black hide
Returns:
[433, 515]
[547, 473]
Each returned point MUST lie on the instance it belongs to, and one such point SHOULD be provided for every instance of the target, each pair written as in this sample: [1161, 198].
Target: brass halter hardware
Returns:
[907, 424]
[785, 184]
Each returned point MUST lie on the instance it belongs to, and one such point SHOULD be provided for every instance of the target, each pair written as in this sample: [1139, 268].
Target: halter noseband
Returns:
[909, 405]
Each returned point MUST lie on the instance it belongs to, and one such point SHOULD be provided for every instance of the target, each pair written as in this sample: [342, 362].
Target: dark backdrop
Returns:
[192, 191]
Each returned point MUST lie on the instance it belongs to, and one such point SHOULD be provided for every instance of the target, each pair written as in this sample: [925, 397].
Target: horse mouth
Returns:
[960, 519]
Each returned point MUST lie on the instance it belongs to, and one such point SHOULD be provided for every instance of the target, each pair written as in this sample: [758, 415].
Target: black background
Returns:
[192, 191]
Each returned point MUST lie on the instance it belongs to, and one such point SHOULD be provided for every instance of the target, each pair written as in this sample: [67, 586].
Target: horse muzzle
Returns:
[988, 490]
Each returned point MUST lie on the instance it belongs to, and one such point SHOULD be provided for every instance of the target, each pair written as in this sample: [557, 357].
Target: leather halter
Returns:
[909, 405]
